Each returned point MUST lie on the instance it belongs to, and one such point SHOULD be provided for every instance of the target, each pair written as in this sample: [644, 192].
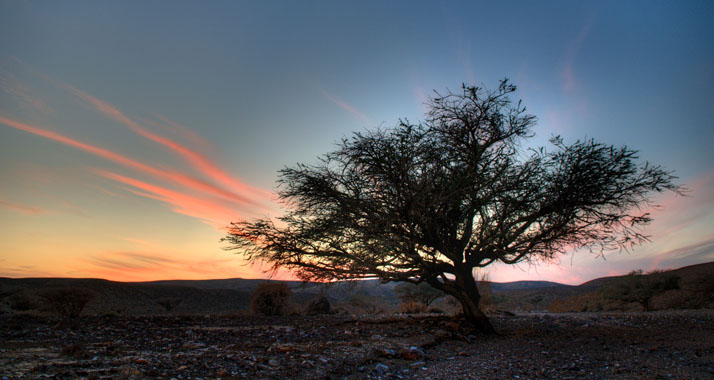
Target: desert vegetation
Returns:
[360, 331]
[271, 299]
[428, 203]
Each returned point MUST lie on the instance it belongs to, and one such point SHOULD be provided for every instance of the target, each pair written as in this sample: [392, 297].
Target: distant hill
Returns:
[233, 294]
[695, 290]
[522, 285]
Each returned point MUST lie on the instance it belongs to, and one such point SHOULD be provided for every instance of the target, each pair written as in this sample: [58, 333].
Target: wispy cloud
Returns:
[568, 72]
[22, 93]
[183, 132]
[212, 211]
[144, 266]
[702, 251]
[347, 107]
[20, 271]
[675, 214]
[173, 176]
[130, 261]
[200, 162]
[21, 208]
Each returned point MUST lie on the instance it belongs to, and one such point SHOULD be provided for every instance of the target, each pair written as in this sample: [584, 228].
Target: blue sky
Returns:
[230, 92]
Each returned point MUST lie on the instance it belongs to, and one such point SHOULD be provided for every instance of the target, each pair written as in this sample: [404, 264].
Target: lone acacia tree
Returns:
[432, 201]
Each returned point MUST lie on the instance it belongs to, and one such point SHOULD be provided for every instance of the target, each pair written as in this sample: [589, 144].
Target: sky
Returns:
[132, 133]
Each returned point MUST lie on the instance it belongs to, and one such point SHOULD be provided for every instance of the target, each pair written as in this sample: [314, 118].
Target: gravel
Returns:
[656, 345]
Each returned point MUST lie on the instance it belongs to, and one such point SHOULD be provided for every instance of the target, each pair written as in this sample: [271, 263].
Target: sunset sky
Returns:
[133, 132]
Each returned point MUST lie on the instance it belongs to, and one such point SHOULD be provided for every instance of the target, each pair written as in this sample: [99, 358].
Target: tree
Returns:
[432, 201]
[422, 293]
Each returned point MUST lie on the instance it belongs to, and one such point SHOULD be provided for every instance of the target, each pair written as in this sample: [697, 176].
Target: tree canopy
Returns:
[432, 201]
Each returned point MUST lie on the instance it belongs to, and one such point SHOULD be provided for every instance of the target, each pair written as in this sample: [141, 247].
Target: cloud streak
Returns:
[22, 92]
[21, 208]
[570, 82]
[212, 211]
[200, 162]
[172, 176]
[146, 266]
[342, 104]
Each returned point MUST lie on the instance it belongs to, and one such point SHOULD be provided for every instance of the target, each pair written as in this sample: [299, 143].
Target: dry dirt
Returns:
[671, 344]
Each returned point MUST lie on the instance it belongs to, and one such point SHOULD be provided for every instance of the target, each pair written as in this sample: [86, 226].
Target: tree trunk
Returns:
[468, 295]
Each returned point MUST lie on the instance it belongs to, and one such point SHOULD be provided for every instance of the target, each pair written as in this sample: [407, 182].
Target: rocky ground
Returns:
[586, 345]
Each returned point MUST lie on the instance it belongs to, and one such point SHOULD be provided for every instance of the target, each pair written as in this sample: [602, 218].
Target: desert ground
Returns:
[646, 345]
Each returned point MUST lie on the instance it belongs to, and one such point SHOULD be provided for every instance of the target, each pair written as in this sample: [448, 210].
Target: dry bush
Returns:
[169, 303]
[640, 288]
[700, 291]
[670, 299]
[412, 307]
[67, 303]
[422, 293]
[366, 304]
[446, 305]
[320, 305]
[21, 301]
[588, 302]
[271, 299]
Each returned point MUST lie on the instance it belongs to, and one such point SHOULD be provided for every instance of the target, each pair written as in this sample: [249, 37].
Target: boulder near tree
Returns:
[430, 202]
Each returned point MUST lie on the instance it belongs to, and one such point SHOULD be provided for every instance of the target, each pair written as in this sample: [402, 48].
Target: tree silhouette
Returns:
[432, 201]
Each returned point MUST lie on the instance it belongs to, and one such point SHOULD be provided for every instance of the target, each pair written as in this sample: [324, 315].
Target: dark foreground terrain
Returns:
[667, 344]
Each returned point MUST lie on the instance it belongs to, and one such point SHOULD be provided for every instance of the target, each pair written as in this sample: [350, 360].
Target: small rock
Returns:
[286, 348]
[141, 361]
[221, 373]
[386, 352]
[412, 353]
[381, 368]
[273, 363]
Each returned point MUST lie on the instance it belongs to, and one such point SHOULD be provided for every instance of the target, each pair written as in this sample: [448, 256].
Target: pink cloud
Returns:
[212, 211]
[342, 104]
[23, 93]
[183, 132]
[570, 82]
[148, 266]
[21, 208]
[200, 162]
[172, 176]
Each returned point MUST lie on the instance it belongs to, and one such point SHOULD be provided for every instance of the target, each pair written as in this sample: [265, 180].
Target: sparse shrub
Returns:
[422, 292]
[640, 288]
[271, 299]
[320, 305]
[576, 303]
[412, 307]
[367, 304]
[68, 303]
[169, 303]
[700, 291]
[20, 301]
